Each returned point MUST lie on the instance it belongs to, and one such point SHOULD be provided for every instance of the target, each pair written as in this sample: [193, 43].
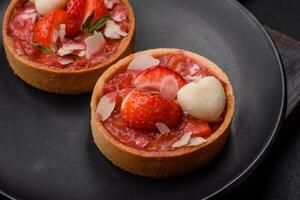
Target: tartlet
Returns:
[61, 79]
[170, 161]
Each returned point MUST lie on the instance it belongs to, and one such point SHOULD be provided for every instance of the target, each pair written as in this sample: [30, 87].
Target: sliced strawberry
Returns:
[142, 110]
[151, 78]
[45, 27]
[198, 128]
[95, 8]
[100, 9]
[75, 15]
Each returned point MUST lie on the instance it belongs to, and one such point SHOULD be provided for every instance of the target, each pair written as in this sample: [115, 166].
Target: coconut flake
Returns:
[142, 62]
[113, 30]
[110, 3]
[183, 140]
[62, 32]
[105, 107]
[94, 43]
[163, 129]
[119, 16]
[194, 141]
[169, 87]
[65, 61]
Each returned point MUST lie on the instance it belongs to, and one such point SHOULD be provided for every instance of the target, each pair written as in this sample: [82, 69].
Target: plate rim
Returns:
[269, 143]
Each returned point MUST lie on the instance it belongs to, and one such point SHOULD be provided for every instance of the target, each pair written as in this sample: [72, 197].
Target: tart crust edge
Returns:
[62, 81]
[161, 164]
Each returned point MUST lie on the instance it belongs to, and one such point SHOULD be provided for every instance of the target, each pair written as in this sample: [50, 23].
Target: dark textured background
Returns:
[278, 177]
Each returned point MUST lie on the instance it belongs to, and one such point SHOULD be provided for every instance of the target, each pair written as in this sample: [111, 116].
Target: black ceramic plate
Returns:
[46, 147]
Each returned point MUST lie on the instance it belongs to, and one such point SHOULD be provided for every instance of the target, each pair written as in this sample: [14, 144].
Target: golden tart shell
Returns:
[62, 81]
[160, 164]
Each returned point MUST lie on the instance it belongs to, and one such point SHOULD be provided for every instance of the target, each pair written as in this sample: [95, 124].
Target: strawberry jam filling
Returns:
[141, 113]
[77, 35]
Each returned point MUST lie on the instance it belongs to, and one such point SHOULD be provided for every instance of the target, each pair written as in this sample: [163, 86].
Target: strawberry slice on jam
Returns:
[75, 14]
[198, 128]
[142, 110]
[151, 79]
[95, 15]
[44, 29]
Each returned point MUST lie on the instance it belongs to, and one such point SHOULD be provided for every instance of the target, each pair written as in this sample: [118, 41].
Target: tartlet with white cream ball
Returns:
[162, 112]
[63, 46]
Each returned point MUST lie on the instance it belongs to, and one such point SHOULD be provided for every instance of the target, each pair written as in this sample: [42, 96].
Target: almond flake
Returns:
[55, 36]
[65, 61]
[194, 141]
[63, 52]
[94, 43]
[69, 48]
[110, 3]
[62, 32]
[29, 10]
[105, 107]
[119, 17]
[82, 53]
[73, 46]
[194, 69]
[113, 30]
[141, 142]
[163, 129]
[169, 87]
[142, 62]
[183, 140]
[26, 16]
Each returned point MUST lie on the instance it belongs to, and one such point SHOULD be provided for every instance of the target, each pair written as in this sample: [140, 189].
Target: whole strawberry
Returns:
[142, 110]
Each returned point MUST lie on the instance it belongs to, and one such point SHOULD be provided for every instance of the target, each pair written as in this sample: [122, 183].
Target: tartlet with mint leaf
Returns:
[63, 46]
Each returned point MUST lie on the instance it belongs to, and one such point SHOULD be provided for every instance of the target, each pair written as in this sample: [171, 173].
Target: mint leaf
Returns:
[99, 24]
[44, 49]
[88, 23]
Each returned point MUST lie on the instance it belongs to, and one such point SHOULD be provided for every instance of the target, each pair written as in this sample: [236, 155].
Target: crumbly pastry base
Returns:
[62, 81]
[160, 164]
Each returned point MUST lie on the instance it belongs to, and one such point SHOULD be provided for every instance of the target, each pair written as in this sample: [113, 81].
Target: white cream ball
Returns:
[204, 100]
[43, 7]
